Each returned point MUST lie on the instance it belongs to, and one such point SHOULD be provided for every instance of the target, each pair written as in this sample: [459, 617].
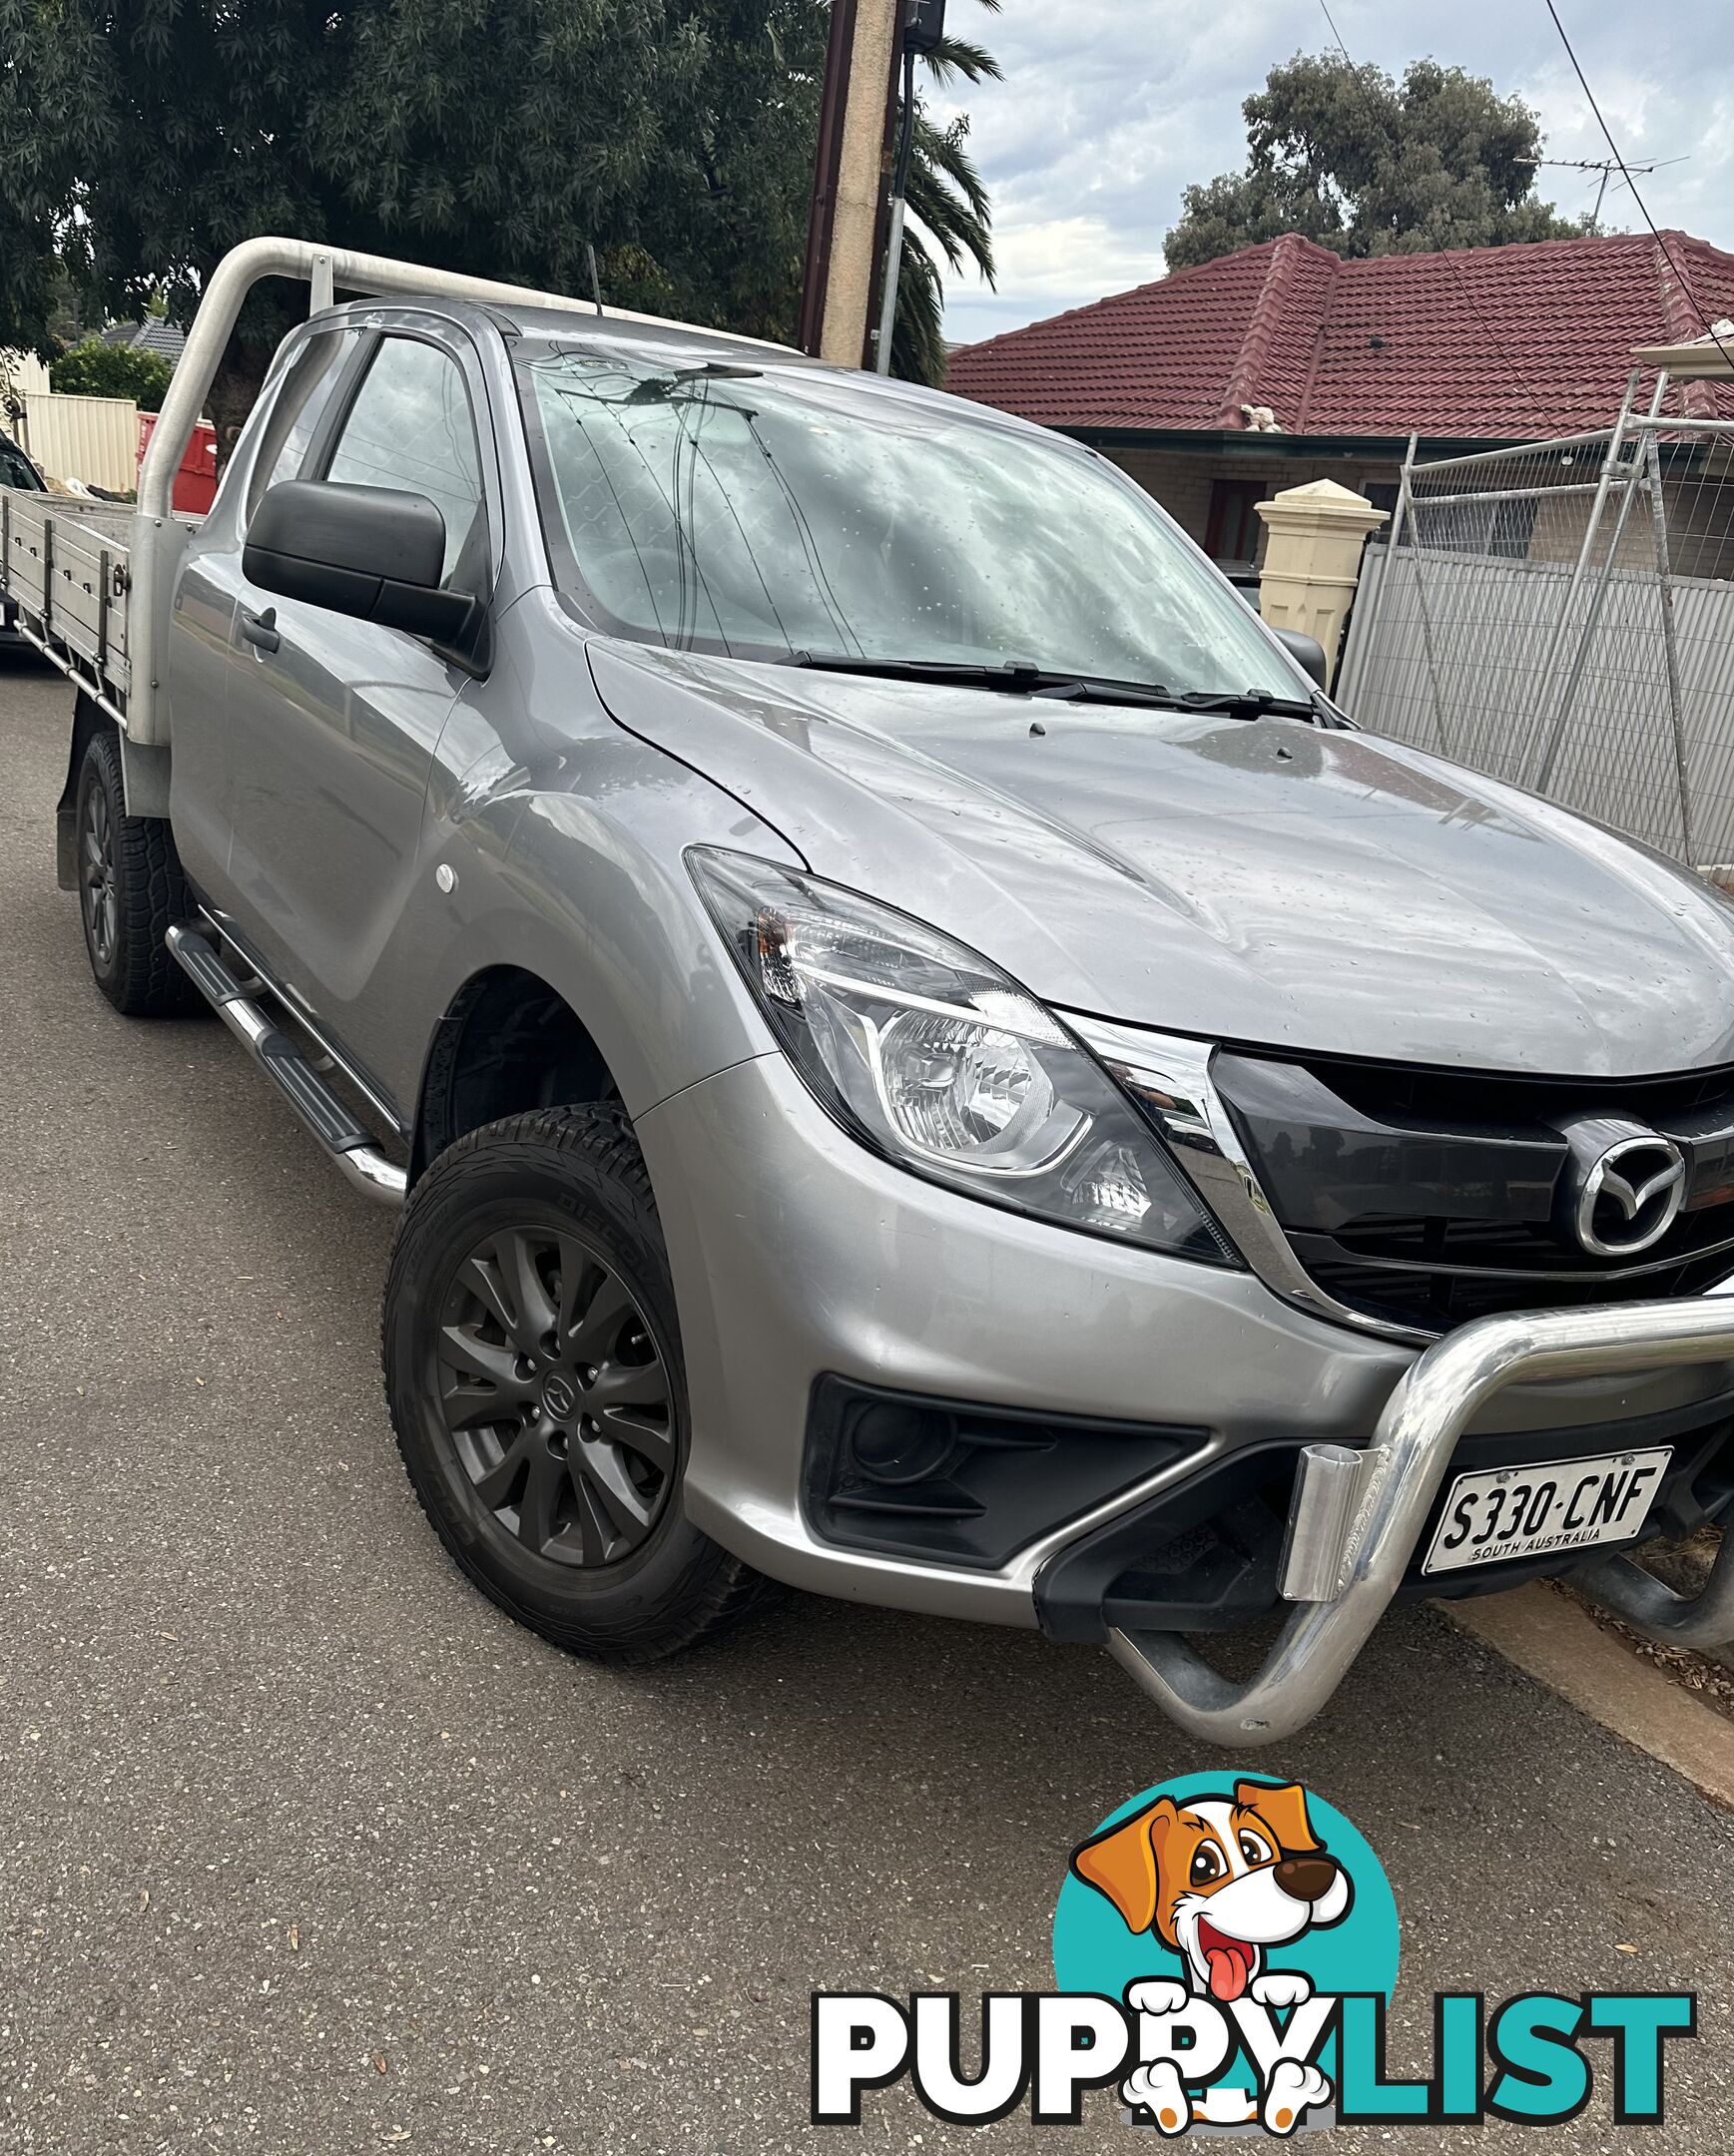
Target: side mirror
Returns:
[1305, 649]
[366, 551]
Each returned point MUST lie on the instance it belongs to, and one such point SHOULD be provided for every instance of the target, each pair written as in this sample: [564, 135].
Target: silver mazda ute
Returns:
[922, 1058]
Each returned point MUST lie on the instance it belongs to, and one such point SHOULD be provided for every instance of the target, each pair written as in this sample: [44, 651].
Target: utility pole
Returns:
[860, 71]
[924, 32]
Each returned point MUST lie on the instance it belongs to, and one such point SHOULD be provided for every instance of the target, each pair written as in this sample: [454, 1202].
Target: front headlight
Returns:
[928, 1053]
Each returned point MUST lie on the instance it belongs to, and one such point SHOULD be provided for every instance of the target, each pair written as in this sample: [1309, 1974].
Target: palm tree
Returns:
[948, 212]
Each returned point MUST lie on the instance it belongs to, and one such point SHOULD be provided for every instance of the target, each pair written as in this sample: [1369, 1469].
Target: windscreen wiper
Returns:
[1102, 689]
[1018, 676]
[1022, 677]
[1246, 704]
[1013, 677]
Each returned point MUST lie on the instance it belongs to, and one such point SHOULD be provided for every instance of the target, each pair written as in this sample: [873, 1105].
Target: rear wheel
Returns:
[534, 1375]
[129, 892]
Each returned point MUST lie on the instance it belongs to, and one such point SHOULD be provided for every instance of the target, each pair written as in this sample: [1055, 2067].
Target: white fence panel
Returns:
[1482, 713]
[1531, 619]
[1704, 625]
[21, 372]
[92, 438]
[1491, 709]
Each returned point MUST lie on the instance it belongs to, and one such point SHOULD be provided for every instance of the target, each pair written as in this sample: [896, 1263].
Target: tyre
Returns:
[533, 1372]
[130, 893]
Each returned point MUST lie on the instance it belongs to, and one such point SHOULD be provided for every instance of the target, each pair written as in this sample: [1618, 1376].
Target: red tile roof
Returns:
[1502, 344]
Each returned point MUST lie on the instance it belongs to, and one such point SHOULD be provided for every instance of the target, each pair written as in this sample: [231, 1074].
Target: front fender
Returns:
[585, 886]
[623, 935]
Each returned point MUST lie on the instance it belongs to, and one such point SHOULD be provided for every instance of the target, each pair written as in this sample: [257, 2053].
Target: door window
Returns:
[411, 429]
[301, 404]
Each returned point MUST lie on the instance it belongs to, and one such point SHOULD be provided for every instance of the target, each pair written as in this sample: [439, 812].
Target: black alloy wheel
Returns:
[131, 891]
[98, 875]
[556, 1397]
[537, 1386]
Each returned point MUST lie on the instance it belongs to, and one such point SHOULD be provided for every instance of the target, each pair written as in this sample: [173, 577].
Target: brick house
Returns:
[1218, 387]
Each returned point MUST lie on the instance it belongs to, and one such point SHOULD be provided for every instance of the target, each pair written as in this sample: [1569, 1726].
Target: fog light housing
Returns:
[890, 1444]
[952, 1483]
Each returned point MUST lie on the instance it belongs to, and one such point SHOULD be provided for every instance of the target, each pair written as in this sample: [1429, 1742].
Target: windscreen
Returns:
[768, 512]
[16, 469]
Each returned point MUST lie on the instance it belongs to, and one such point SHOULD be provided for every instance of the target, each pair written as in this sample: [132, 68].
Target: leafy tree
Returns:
[948, 210]
[93, 368]
[1364, 164]
[140, 139]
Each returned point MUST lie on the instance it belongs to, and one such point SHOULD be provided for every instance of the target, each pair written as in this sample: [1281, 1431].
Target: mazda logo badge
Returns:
[559, 1395]
[1629, 1196]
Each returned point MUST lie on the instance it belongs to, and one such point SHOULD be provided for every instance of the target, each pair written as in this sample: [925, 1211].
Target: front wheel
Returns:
[534, 1377]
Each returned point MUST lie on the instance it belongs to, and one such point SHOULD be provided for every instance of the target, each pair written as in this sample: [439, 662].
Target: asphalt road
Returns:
[303, 1848]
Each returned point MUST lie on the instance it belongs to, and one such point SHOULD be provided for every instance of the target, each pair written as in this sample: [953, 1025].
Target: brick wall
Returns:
[1181, 482]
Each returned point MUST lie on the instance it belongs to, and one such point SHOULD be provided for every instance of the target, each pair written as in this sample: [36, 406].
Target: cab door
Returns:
[201, 643]
[333, 722]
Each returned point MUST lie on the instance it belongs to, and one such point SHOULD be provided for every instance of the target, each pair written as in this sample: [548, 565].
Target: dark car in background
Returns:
[16, 470]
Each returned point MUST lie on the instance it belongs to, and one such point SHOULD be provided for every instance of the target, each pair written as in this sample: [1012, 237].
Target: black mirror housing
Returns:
[1306, 650]
[370, 552]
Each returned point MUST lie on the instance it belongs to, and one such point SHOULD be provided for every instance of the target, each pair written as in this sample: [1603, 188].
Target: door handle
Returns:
[261, 629]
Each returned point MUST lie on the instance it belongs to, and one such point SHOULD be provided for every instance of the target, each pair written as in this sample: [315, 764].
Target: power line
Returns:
[1705, 323]
[1494, 344]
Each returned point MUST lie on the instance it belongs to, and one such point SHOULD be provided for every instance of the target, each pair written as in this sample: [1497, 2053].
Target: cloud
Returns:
[1109, 107]
[1050, 264]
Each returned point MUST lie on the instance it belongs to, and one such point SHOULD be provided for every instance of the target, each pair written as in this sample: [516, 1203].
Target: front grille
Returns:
[1435, 1299]
[1428, 1198]
[1395, 1092]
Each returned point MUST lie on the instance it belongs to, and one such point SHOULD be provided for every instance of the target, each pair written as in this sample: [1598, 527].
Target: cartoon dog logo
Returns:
[1219, 1880]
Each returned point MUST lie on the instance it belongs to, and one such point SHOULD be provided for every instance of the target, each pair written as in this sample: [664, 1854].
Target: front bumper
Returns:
[1355, 1546]
[798, 1254]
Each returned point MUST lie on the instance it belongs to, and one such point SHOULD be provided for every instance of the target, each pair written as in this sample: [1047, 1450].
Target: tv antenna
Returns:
[1607, 167]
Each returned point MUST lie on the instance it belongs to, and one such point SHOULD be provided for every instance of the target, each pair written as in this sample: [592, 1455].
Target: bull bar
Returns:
[1356, 1516]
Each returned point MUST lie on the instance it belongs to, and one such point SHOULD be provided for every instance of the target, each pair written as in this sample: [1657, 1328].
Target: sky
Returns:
[1109, 107]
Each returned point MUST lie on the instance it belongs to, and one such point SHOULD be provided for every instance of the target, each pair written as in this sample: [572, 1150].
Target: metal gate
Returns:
[1561, 616]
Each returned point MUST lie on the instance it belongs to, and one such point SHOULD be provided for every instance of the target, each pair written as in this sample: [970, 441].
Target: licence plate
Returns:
[1498, 1513]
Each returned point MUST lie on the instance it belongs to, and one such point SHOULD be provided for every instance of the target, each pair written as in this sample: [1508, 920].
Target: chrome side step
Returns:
[351, 1146]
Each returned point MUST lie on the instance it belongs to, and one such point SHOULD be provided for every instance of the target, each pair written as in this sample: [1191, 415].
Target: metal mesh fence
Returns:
[1561, 616]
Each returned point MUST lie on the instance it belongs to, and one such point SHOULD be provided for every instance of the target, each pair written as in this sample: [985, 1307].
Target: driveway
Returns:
[305, 1847]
